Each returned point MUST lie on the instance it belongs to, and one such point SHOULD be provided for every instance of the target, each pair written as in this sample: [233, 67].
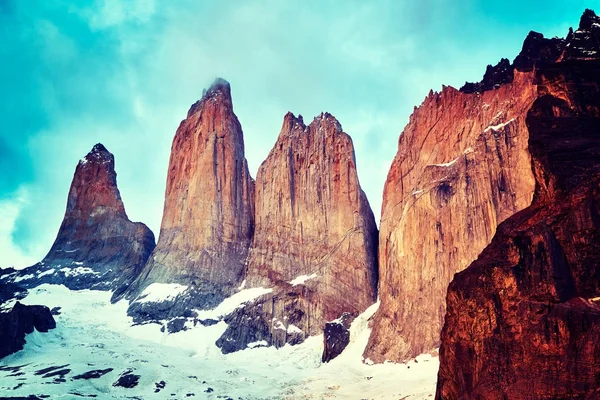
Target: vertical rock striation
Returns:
[315, 240]
[208, 218]
[97, 246]
[523, 320]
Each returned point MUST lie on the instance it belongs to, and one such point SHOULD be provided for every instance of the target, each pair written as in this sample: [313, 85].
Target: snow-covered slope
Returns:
[93, 334]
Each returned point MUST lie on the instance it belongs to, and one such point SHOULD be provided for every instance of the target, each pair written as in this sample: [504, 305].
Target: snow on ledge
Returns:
[77, 271]
[498, 127]
[302, 278]
[229, 305]
[159, 292]
[48, 272]
[24, 278]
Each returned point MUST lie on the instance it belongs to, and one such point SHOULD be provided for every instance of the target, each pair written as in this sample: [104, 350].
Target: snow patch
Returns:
[190, 362]
[448, 164]
[302, 278]
[159, 292]
[24, 278]
[499, 126]
[77, 271]
[48, 272]
[231, 303]
[260, 343]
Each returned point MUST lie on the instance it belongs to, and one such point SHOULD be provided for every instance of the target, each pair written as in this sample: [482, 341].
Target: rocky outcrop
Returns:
[523, 321]
[315, 240]
[462, 167]
[97, 246]
[208, 218]
[20, 321]
[336, 337]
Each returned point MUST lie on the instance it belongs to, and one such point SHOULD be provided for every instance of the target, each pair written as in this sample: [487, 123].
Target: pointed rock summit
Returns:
[315, 241]
[208, 217]
[97, 246]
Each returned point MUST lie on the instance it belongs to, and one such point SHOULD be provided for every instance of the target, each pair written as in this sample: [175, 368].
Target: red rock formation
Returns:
[312, 217]
[208, 217]
[315, 240]
[97, 246]
[523, 321]
[462, 167]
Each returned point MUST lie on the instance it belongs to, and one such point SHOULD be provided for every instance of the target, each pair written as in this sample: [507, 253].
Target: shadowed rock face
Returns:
[97, 246]
[208, 217]
[315, 240]
[463, 166]
[523, 321]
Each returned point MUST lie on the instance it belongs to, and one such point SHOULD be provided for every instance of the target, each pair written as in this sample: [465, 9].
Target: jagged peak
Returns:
[326, 119]
[219, 86]
[588, 19]
[292, 123]
[99, 155]
[219, 90]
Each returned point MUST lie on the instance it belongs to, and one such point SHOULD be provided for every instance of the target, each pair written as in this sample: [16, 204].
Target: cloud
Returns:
[124, 73]
[12, 255]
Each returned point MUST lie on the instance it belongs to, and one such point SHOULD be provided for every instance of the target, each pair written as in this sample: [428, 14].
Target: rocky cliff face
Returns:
[315, 240]
[523, 320]
[97, 246]
[462, 167]
[208, 218]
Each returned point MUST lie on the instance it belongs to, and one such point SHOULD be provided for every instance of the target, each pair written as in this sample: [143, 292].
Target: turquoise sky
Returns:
[124, 73]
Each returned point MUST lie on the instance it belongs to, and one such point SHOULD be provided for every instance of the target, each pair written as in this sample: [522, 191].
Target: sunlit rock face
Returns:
[315, 240]
[462, 167]
[523, 320]
[208, 218]
[97, 246]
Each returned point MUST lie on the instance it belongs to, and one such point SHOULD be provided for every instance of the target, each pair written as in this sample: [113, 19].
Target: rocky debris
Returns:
[94, 374]
[315, 240]
[127, 380]
[61, 373]
[523, 320]
[462, 167]
[158, 386]
[208, 218]
[44, 371]
[97, 246]
[20, 321]
[336, 336]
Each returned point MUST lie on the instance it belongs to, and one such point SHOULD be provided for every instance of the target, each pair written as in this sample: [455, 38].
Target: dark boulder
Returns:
[336, 336]
[20, 321]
